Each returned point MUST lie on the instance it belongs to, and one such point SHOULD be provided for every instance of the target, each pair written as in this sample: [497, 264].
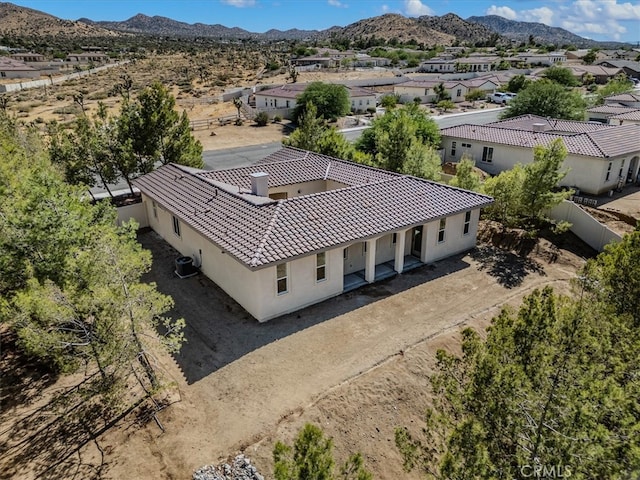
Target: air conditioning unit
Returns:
[185, 267]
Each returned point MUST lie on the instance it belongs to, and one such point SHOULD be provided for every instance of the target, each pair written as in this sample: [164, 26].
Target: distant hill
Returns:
[25, 22]
[390, 26]
[520, 32]
[464, 31]
[163, 26]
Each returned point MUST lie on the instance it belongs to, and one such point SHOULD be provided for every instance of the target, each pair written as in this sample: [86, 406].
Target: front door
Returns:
[416, 241]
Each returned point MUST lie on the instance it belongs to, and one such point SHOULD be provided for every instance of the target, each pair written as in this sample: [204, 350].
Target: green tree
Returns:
[549, 387]
[506, 190]
[311, 458]
[262, 118]
[517, 83]
[331, 100]
[560, 75]
[441, 93]
[150, 130]
[422, 161]
[445, 105]
[615, 86]
[615, 276]
[310, 129]
[466, 177]
[474, 95]
[541, 179]
[590, 57]
[547, 99]
[389, 101]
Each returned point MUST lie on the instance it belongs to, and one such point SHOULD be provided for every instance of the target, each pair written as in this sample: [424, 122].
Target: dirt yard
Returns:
[356, 365]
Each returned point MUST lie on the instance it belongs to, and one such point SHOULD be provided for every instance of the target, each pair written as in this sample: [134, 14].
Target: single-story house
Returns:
[299, 227]
[631, 68]
[600, 73]
[10, 68]
[28, 57]
[626, 99]
[439, 65]
[578, 55]
[603, 113]
[283, 98]
[599, 157]
[92, 57]
[624, 118]
[425, 90]
[544, 59]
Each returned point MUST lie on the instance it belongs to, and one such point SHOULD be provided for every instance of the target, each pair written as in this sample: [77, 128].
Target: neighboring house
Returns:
[626, 99]
[599, 157]
[10, 68]
[299, 227]
[600, 73]
[320, 62]
[438, 65]
[86, 58]
[631, 69]
[544, 59]
[578, 55]
[624, 118]
[28, 57]
[283, 98]
[477, 64]
[364, 60]
[425, 90]
[603, 113]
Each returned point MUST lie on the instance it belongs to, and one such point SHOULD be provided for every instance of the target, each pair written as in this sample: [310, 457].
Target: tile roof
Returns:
[11, 65]
[631, 114]
[551, 125]
[623, 97]
[607, 141]
[611, 108]
[261, 233]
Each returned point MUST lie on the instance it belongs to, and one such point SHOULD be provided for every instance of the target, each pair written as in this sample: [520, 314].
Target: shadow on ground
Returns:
[507, 268]
[219, 331]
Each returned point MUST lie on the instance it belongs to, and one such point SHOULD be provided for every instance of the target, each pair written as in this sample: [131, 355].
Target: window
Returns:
[281, 278]
[467, 223]
[155, 209]
[287, 103]
[453, 149]
[608, 172]
[458, 92]
[441, 229]
[345, 253]
[176, 226]
[466, 145]
[364, 247]
[621, 169]
[321, 267]
[394, 238]
[487, 154]
[3, 74]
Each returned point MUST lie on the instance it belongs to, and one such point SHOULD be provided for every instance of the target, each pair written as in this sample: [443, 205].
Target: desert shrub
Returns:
[262, 119]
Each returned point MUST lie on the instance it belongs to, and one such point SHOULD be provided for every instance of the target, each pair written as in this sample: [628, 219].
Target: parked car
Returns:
[501, 98]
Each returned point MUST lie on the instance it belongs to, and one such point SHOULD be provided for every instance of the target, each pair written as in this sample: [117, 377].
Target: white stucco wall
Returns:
[455, 240]
[586, 173]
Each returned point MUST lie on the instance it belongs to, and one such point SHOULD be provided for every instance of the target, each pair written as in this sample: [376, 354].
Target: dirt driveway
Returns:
[244, 384]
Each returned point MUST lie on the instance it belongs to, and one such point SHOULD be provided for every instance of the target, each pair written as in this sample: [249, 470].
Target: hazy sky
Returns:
[597, 19]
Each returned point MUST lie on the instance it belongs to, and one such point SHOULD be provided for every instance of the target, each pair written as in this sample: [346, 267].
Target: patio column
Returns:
[423, 247]
[370, 262]
[399, 258]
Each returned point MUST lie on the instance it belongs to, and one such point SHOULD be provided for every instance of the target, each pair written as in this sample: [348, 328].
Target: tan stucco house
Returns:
[300, 227]
[600, 157]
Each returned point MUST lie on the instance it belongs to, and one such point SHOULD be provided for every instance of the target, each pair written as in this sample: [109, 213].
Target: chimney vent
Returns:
[540, 127]
[260, 184]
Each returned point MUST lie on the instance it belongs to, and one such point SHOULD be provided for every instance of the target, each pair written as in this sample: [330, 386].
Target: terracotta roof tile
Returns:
[375, 203]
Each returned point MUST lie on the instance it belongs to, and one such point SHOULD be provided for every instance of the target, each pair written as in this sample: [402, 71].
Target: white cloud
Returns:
[540, 15]
[337, 3]
[506, 12]
[385, 8]
[604, 18]
[415, 8]
[240, 3]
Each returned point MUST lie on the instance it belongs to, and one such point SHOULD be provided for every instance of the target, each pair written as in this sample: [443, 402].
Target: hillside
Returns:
[464, 31]
[390, 26]
[25, 22]
[520, 32]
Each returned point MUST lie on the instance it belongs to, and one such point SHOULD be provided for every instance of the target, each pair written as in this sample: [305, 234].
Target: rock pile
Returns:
[239, 469]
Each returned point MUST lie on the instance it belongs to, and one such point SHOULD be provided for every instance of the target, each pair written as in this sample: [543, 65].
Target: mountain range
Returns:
[448, 29]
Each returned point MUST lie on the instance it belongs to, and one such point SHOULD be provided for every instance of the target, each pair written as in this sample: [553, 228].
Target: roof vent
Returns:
[540, 127]
[260, 184]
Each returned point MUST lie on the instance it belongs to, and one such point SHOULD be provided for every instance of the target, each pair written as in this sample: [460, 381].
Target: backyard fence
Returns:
[587, 228]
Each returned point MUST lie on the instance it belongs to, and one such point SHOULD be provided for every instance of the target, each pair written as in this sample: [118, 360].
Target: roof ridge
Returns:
[255, 261]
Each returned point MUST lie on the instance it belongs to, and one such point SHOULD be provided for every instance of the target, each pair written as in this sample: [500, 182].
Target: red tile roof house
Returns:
[299, 227]
[599, 157]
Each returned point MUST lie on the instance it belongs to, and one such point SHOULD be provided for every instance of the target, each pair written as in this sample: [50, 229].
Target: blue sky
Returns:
[597, 19]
